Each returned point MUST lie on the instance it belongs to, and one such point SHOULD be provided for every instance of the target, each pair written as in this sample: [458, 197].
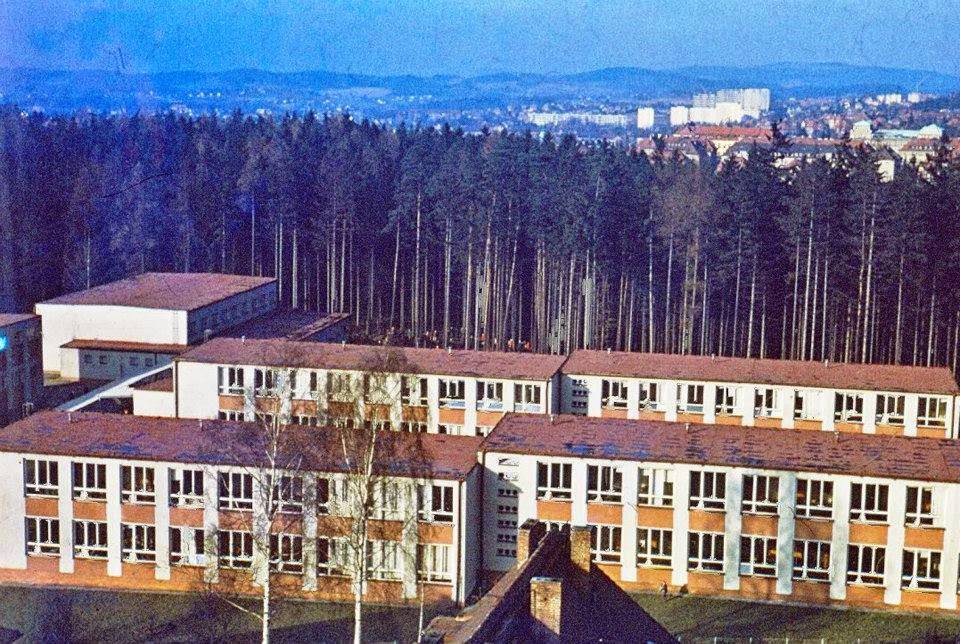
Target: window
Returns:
[765, 403]
[230, 380]
[921, 569]
[40, 478]
[489, 395]
[865, 564]
[526, 397]
[286, 553]
[890, 409]
[436, 503]
[690, 398]
[313, 383]
[413, 426]
[433, 562]
[554, 481]
[386, 500]
[376, 388]
[655, 486]
[264, 381]
[288, 494]
[451, 393]
[186, 488]
[848, 408]
[187, 546]
[43, 536]
[814, 499]
[231, 415]
[331, 553]
[604, 484]
[383, 559]
[805, 405]
[705, 551]
[103, 360]
[760, 493]
[484, 430]
[87, 358]
[235, 549]
[90, 539]
[726, 401]
[708, 490]
[811, 560]
[339, 386]
[613, 394]
[654, 548]
[605, 543]
[90, 481]
[868, 502]
[920, 510]
[236, 491]
[413, 391]
[758, 556]
[579, 396]
[138, 543]
[449, 428]
[136, 484]
[648, 396]
[932, 411]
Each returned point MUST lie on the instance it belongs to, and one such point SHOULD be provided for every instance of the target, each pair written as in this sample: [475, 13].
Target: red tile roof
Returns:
[122, 345]
[350, 357]
[174, 291]
[153, 383]
[921, 459]
[724, 132]
[290, 324]
[216, 442]
[7, 319]
[833, 375]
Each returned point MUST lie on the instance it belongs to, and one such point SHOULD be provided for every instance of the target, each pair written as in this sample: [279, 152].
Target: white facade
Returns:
[679, 115]
[645, 118]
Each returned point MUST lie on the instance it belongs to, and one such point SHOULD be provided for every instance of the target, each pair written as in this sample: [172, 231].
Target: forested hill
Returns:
[482, 240]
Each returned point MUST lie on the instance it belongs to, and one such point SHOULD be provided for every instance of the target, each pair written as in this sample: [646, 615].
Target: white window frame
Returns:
[606, 543]
[761, 493]
[93, 481]
[230, 380]
[265, 381]
[340, 386]
[871, 574]
[490, 395]
[808, 560]
[41, 477]
[528, 397]
[875, 511]
[288, 494]
[228, 484]
[613, 393]
[46, 536]
[283, 553]
[136, 540]
[414, 391]
[192, 546]
[383, 560]
[452, 393]
[754, 547]
[433, 562]
[655, 486]
[186, 487]
[726, 400]
[331, 556]
[890, 409]
[805, 405]
[712, 486]
[705, 551]
[923, 564]
[649, 395]
[604, 484]
[766, 402]
[137, 484]
[654, 547]
[436, 503]
[919, 496]
[235, 549]
[690, 397]
[559, 481]
[817, 498]
[932, 411]
[845, 405]
[85, 532]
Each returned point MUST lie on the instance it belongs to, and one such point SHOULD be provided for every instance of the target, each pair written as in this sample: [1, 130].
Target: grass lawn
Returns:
[48, 615]
[701, 619]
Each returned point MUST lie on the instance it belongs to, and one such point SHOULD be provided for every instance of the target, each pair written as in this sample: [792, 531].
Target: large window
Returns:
[288, 494]
[340, 386]
[331, 555]
[814, 499]
[705, 551]
[186, 488]
[765, 403]
[236, 491]
[528, 398]
[604, 484]
[43, 536]
[554, 481]
[187, 546]
[613, 394]
[848, 408]
[136, 484]
[230, 380]
[865, 564]
[708, 490]
[654, 548]
[265, 381]
[40, 477]
[932, 411]
[138, 543]
[489, 395]
[811, 560]
[433, 562]
[920, 510]
[921, 569]
[726, 401]
[649, 398]
[451, 393]
[435, 503]
[90, 481]
[758, 556]
[90, 539]
[286, 553]
[890, 409]
[383, 559]
[760, 493]
[605, 543]
[805, 405]
[655, 486]
[690, 398]
[868, 502]
[386, 499]
[413, 391]
[235, 549]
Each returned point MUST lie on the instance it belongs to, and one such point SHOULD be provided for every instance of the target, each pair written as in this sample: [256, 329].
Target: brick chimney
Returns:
[528, 538]
[546, 606]
[580, 547]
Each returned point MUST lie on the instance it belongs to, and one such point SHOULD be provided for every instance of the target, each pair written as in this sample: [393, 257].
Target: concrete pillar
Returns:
[669, 395]
[732, 523]
[321, 394]
[786, 511]
[309, 531]
[633, 398]
[710, 403]
[840, 539]
[911, 403]
[895, 535]
[951, 547]
[470, 405]
[211, 524]
[578, 513]
[546, 606]
[869, 413]
[249, 396]
[261, 530]
[409, 537]
[745, 399]
[527, 485]
[161, 483]
[826, 406]
[628, 539]
[789, 402]
[13, 547]
[65, 513]
[681, 524]
[114, 563]
[433, 404]
[595, 399]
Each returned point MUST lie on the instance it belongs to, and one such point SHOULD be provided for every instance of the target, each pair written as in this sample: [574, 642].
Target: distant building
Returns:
[679, 115]
[644, 118]
[21, 369]
[542, 119]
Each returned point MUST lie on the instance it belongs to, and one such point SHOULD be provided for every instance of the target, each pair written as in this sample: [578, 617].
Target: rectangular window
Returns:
[865, 564]
[805, 405]
[265, 381]
[604, 484]
[136, 484]
[433, 562]
[814, 499]
[726, 401]
[921, 570]
[868, 502]
[43, 536]
[286, 553]
[331, 555]
[90, 539]
[920, 511]
[288, 494]
[340, 386]
[413, 391]
[527, 398]
[138, 543]
[605, 543]
[690, 399]
[554, 481]
[890, 409]
[413, 426]
[932, 411]
[383, 559]
[760, 493]
[451, 393]
[89, 482]
[435, 503]
[489, 395]
[655, 487]
[811, 560]
[40, 477]
[758, 556]
[654, 548]
[765, 403]
[708, 490]
[848, 408]
[186, 488]
[235, 549]
[314, 383]
[187, 546]
[613, 394]
[230, 380]
[705, 551]
[377, 389]
[649, 398]
[236, 491]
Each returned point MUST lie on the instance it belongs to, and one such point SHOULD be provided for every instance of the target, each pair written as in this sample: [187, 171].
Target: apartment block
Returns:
[21, 372]
[415, 390]
[868, 399]
[793, 515]
[115, 501]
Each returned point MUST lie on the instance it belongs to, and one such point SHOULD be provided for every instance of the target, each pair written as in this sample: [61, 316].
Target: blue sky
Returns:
[474, 36]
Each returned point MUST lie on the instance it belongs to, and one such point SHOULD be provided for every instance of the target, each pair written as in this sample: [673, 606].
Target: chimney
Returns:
[546, 606]
[243, 338]
[69, 416]
[528, 538]
[580, 547]
[449, 351]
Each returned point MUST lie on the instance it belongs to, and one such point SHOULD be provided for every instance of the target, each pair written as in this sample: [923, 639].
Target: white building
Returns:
[679, 115]
[644, 118]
